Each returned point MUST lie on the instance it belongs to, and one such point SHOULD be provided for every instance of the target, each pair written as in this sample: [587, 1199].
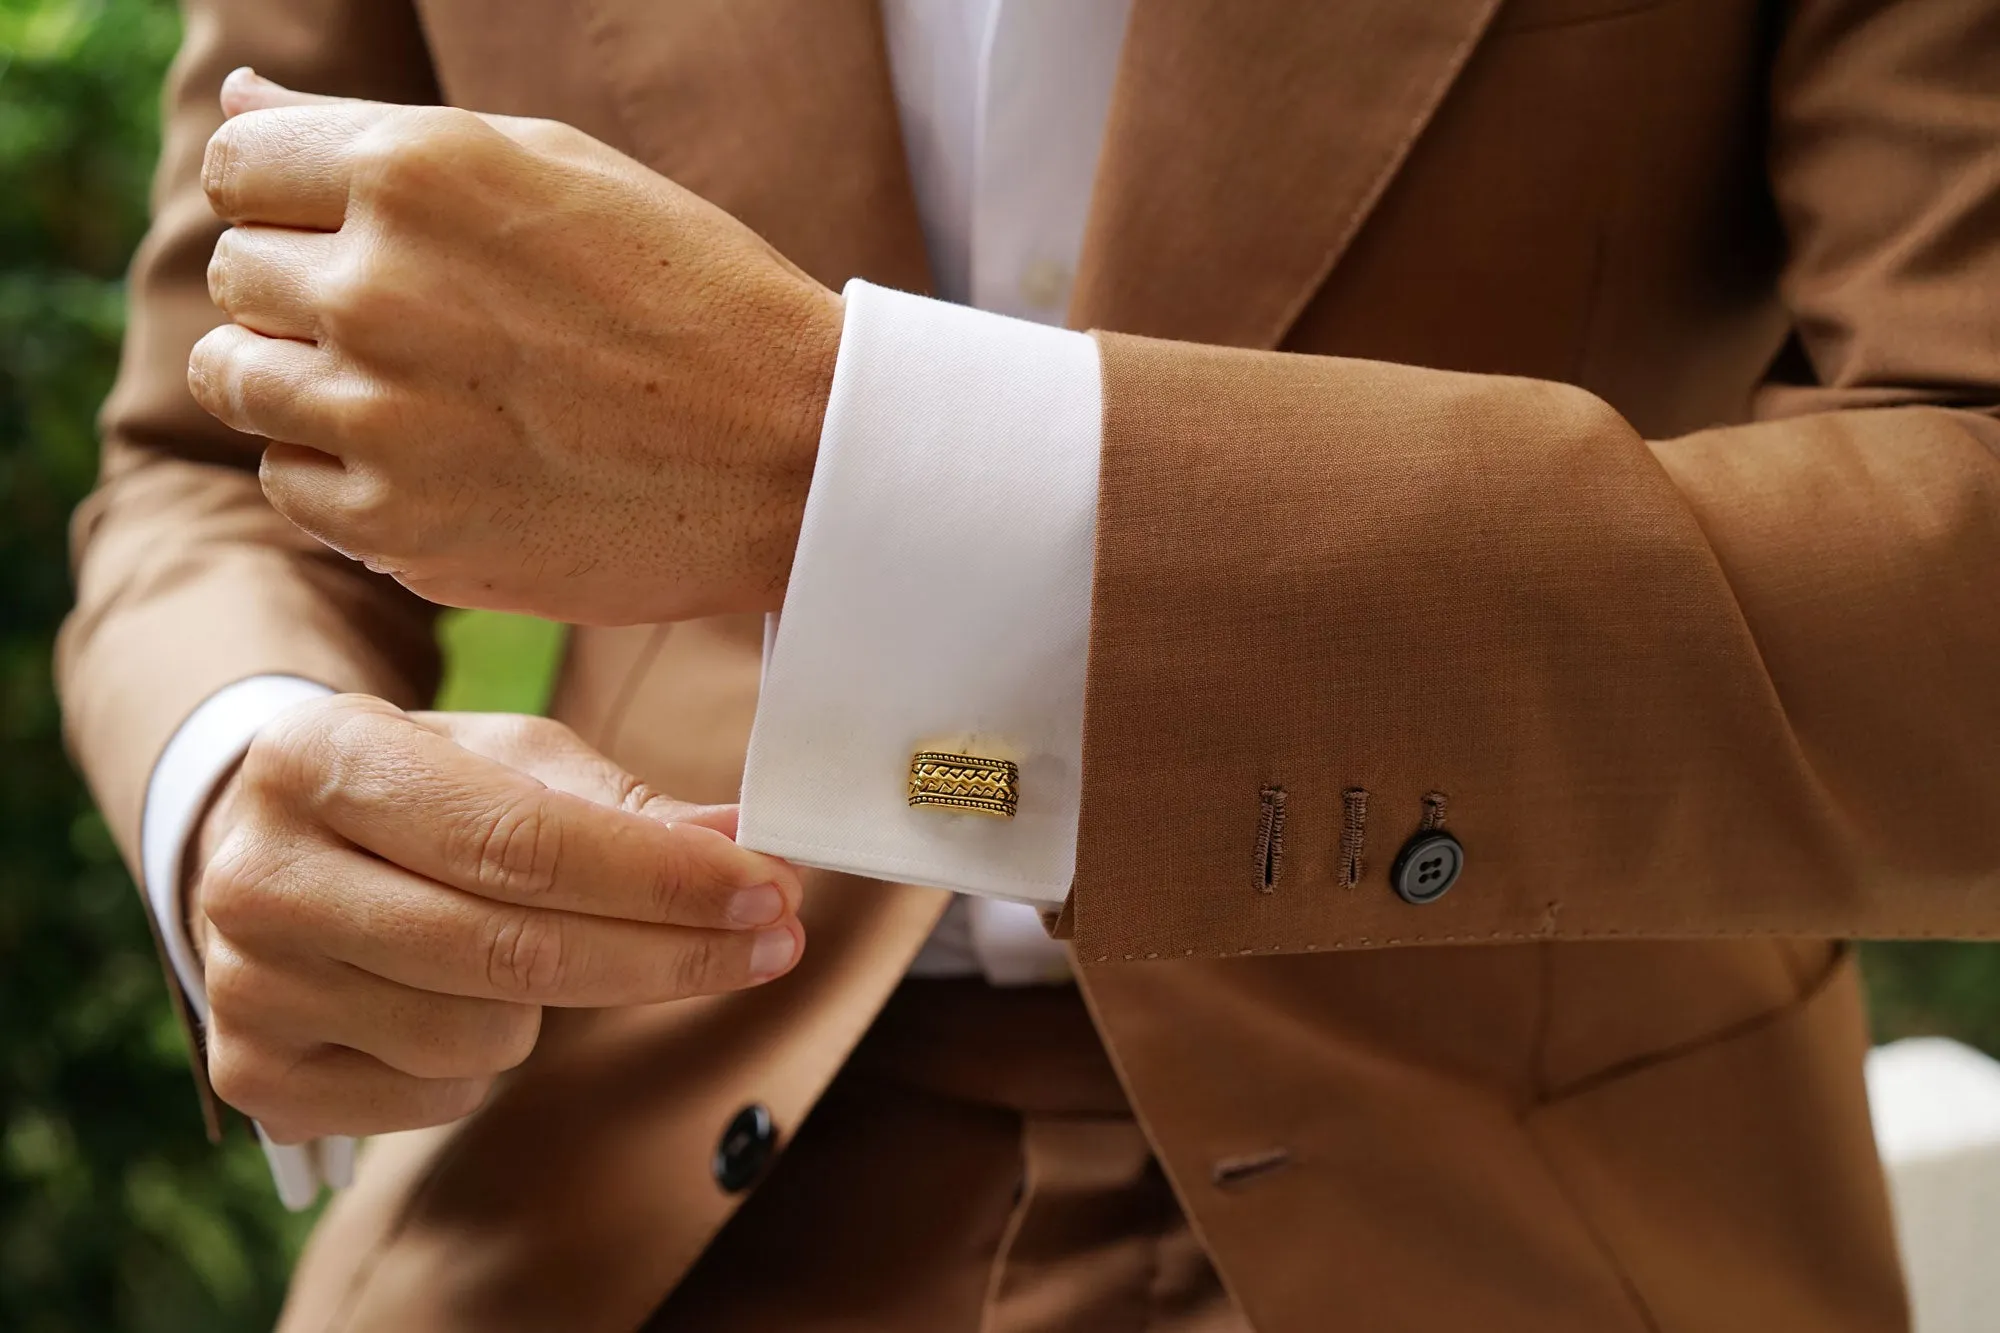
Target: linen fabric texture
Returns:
[1584, 409]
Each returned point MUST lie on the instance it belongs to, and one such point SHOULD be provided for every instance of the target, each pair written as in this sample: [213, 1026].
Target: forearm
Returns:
[1737, 683]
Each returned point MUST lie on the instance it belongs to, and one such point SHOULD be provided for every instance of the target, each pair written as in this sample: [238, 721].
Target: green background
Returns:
[115, 1213]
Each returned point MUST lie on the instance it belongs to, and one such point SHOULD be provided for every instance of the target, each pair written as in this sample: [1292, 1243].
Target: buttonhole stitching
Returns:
[1270, 838]
[1353, 833]
[1434, 803]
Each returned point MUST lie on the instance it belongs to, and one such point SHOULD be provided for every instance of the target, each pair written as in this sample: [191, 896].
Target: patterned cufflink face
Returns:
[965, 782]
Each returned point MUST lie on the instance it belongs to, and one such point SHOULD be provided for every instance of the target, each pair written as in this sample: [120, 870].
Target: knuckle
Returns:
[287, 754]
[228, 377]
[308, 757]
[230, 980]
[700, 968]
[234, 888]
[382, 165]
[411, 154]
[528, 955]
[272, 760]
[218, 168]
[550, 137]
[349, 301]
[282, 768]
[638, 797]
[221, 269]
[201, 370]
[215, 373]
[368, 506]
[519, 851]
[353, 739]
[537, 133]
[364, 297]
[351, 416]
[450, 131]
[671, 878]
[244, 1076]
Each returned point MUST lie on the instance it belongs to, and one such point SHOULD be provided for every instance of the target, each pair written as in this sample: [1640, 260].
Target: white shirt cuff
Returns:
[207, 745]
[940, 599]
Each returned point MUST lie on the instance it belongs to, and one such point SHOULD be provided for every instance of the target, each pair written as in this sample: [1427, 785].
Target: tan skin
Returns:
[508, 365]
[515, 369]
[386, 902]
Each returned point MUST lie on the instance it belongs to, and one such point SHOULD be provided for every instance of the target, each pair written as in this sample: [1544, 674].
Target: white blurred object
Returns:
[1936, 1106]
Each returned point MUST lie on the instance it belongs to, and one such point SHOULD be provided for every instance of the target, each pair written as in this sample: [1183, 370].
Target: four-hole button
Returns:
[1427, 867]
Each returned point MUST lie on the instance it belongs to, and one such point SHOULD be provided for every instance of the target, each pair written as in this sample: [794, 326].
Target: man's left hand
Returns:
[507, 364]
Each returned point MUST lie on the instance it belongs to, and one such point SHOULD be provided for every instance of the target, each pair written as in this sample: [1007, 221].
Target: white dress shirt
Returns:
[940, 597]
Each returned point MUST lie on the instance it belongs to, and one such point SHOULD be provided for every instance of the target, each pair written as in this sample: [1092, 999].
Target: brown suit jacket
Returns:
[1638, 491]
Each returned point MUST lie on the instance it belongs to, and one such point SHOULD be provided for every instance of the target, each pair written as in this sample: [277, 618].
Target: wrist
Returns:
[815, 350]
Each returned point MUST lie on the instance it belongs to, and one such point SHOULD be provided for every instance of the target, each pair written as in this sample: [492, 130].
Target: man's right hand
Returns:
[385, 901]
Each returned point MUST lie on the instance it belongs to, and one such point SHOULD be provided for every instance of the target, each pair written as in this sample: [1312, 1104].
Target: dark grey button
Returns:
[1427, 867]
[747, 1146]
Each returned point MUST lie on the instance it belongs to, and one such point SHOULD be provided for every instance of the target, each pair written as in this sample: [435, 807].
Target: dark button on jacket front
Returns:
[746, 1148]
[1427, 867]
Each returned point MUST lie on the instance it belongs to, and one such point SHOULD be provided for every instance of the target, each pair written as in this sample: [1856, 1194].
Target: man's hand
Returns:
[386, 901]
[507, 364]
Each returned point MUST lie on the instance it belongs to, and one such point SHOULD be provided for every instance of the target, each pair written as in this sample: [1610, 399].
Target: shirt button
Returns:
[1427, 867]
[746, 1148]
[1045, 284]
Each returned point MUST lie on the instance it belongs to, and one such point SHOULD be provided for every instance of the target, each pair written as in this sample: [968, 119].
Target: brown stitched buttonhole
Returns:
[1433, 811]
[1270, 837]
[1240, 1170]
[1353, 834]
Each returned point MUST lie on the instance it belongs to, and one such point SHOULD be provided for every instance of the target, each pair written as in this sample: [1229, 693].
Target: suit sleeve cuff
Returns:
[939, 600]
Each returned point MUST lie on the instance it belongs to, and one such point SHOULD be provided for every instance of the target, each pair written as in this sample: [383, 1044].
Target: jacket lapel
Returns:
[1248, 142]
[781, 113]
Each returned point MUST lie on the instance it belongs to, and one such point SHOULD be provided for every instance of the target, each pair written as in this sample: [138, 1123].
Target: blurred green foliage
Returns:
[115, 1213]
[497, 663]
[1935, 988]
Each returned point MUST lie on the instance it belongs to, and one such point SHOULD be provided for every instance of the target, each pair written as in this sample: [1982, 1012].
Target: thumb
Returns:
[556, 756]
[247, 90]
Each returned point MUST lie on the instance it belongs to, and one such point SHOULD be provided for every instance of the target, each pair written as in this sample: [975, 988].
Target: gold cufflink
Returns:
[965, 782]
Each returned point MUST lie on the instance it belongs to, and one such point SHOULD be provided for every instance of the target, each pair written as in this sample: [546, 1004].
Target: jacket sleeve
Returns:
[1742, 682]
[186, 579]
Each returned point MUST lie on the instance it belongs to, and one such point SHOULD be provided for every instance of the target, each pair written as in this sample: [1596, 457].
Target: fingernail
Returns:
[771, 953]
[756, 907]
